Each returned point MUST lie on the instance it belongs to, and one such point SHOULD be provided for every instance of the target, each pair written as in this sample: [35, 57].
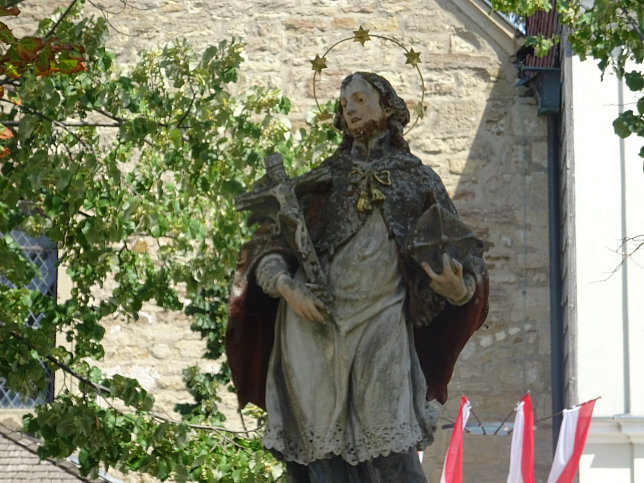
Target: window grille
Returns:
[43, 254]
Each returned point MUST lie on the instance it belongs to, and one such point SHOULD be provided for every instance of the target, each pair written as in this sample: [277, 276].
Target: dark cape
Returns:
[441, 330]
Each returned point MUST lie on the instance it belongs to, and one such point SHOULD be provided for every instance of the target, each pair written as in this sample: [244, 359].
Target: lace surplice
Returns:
[353, 386]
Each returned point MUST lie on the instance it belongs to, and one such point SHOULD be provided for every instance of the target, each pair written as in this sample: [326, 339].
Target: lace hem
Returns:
[315, 445]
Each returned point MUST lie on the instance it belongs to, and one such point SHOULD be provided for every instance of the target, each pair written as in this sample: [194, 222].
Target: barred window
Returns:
[43, 254]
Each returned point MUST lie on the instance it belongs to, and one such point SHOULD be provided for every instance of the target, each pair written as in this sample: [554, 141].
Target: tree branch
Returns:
[623, 250]
[47, 118]
[8, 81]
[104, 10]
[102, 390]
[632, 22]
[111, 116]
[70, 124]
[183, 118]
[205, 427]
[220, 431]
[55, 26]
[91, 124]
[97, 387]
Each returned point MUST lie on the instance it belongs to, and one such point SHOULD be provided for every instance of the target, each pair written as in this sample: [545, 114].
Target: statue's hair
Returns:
[389, 101]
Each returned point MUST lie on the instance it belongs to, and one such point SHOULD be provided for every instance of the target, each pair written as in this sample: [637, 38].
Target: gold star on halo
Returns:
[361, 35]
[318, 64]
[413, 58]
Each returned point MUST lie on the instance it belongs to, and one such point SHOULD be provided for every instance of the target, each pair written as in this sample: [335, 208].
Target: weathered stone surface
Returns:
[344, 23]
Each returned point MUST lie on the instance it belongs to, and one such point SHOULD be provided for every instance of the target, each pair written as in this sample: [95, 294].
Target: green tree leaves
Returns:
[132, 173]
[611, 31]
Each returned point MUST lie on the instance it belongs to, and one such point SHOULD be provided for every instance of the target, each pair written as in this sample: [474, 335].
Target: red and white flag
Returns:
[453, 459]
[522, 447]
[572, 437]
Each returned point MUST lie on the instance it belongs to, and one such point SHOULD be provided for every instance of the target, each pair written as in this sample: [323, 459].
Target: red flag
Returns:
[572, 437]
[522, 447]
[454, 457]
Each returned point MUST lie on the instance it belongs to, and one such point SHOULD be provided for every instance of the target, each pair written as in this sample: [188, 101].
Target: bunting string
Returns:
[570, 445]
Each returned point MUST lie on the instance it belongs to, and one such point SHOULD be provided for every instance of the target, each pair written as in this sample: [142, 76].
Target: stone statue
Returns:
[353, 300]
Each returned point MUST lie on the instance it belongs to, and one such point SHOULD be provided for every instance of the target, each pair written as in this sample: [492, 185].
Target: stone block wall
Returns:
[481, 134]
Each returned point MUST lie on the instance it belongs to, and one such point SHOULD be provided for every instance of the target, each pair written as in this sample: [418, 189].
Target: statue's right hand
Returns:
[300, 298]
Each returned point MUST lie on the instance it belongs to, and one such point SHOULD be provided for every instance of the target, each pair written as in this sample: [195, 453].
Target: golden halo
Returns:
[318, 64]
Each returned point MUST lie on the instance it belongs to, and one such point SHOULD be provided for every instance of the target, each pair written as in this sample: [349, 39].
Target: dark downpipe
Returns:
[556, 315]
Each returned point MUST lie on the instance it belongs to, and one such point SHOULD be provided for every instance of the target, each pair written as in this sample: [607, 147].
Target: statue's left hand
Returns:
[450, 282]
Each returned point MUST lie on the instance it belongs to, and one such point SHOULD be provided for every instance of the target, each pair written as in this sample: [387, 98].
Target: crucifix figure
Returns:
[346, 370]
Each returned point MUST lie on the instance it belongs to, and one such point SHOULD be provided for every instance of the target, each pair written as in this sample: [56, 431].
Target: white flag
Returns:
[452, 468]
[522, 447]
[572, 438]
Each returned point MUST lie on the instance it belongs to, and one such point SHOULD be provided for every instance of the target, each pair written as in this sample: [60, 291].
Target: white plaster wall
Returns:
[606, 462]
[609, 200]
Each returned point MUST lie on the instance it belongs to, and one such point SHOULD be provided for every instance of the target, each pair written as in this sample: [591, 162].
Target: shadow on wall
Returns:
[487, 143]
[618, 458]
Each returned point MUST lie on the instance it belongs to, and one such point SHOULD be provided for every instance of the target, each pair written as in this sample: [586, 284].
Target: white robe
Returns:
[353, 386]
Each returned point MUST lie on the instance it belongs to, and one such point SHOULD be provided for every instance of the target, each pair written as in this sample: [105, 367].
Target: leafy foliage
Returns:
[610, 31]
[132, 174]
[42, 55]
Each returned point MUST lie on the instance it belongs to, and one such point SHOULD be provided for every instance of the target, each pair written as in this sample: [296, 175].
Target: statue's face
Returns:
[361, 109]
